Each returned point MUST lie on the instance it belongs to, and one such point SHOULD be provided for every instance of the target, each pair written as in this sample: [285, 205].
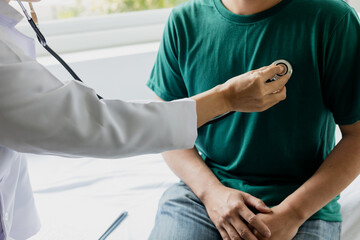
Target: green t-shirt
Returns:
[272, 153]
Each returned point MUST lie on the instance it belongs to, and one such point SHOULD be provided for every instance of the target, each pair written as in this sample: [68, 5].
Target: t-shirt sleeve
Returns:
[166, 78]
[341, 87]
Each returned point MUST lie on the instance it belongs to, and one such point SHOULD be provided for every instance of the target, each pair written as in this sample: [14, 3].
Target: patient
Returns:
[283, 158]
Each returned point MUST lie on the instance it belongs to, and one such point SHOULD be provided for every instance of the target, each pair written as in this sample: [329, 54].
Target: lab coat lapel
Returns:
[9, 14]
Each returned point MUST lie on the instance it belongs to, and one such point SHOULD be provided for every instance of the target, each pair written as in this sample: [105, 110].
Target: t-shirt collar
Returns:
[246, 19]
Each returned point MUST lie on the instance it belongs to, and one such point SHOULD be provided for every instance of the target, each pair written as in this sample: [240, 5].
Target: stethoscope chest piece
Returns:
[288, 69]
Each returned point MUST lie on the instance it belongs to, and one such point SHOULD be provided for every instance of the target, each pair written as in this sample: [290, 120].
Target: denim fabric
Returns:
[319, 230]
[182, 216]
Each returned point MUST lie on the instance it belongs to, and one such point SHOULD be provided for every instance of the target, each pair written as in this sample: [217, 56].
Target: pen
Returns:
[113, 226]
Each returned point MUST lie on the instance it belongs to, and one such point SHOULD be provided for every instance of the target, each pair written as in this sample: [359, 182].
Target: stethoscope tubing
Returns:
[43, 43]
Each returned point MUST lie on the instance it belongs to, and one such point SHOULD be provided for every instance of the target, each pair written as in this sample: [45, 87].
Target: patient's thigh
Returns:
[182, 216]
[319, 230]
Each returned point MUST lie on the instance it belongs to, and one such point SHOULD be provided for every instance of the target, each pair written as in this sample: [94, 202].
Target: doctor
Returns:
[42, 115]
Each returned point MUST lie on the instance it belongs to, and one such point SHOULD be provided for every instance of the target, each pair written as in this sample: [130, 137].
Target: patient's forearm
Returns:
[339, 169]
[187, 164]
[190, 168]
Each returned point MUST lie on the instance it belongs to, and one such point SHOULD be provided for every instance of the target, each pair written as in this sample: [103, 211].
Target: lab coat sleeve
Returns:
[39, 114]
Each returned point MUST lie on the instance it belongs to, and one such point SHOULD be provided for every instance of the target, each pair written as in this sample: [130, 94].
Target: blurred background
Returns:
[355, 4]
[111, 44]
[63, 9]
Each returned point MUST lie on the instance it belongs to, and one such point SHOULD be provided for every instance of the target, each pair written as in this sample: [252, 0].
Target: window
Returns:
[82, 25]
[64, 9]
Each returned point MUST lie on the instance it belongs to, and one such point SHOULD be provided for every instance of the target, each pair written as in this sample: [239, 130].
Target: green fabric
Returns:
[268, 154]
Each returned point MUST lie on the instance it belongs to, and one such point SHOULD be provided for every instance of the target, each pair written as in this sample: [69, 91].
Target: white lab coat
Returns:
[40, 114]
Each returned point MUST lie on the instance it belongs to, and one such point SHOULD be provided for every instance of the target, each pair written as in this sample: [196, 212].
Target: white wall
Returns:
[99, 50]
[120, 76]
[355, 4]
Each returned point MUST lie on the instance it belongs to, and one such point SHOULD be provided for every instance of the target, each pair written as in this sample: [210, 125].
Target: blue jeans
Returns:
[182, 216]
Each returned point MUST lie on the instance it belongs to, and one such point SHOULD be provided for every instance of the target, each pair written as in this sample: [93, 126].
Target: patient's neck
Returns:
[247, 7]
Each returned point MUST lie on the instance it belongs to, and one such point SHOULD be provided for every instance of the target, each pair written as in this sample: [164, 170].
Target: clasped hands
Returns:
[230, 211]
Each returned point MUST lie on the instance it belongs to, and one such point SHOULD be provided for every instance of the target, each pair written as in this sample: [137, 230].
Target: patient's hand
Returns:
[229, 211]
[249, 92]
[282, 222]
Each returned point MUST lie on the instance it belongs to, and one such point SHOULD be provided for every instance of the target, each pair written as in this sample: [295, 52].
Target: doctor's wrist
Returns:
[210, 104]
[231, 93]
[222, 91]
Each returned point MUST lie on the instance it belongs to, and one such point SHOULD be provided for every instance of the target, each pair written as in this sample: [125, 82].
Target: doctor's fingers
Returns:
[272, 87]
[265, 69]
[269, 72]
[273, 99]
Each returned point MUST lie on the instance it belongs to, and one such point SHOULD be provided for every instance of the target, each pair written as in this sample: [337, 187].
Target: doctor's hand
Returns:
[229, 210]
[249, 92]
[283, 223]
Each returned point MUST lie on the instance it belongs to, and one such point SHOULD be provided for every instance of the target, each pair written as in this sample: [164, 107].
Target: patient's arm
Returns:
[226, 207]
[339, 169]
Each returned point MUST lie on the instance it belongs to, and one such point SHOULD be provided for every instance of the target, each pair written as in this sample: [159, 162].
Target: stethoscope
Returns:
[288, 70]
[43, 42]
